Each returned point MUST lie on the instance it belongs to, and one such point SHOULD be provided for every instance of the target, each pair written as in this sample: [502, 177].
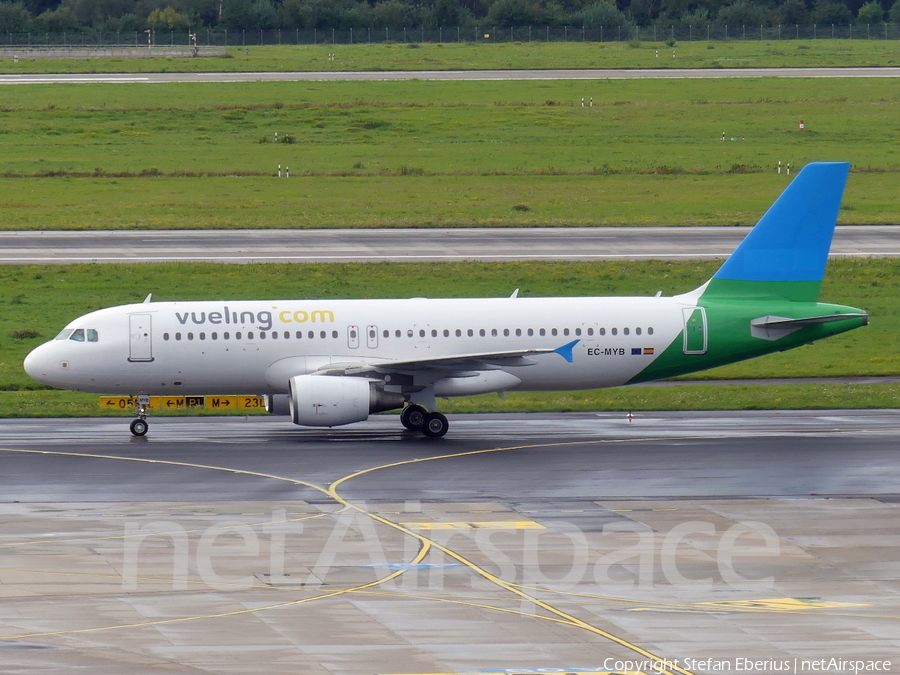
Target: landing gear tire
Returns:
[413, 417]
[435, 425]
[139, 427]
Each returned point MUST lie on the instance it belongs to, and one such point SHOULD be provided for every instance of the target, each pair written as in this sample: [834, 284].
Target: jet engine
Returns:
[331, 400]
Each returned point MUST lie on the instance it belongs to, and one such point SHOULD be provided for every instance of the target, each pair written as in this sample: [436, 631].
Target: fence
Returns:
[657, 33]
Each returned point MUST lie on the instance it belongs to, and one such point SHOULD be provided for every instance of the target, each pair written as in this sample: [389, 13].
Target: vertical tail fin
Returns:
[784, 255]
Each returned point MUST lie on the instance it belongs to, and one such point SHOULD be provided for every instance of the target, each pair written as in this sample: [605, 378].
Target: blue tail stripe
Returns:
[566, 350]
[791, 241]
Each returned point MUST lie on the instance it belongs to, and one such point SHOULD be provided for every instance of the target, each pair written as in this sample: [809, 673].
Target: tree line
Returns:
[62, 16]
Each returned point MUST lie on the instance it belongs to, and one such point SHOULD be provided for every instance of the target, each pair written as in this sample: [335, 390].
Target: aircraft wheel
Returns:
[435, 425]
[139, 427]
[412, 417]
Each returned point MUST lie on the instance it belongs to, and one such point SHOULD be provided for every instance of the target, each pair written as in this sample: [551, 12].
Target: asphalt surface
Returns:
[554, 74]
[683, 454]
[488, 244]
[572, 543]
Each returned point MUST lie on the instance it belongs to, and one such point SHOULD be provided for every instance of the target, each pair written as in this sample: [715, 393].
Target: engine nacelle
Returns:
[330, 400]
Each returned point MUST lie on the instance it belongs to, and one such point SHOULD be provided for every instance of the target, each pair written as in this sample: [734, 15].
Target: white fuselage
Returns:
[227, 347]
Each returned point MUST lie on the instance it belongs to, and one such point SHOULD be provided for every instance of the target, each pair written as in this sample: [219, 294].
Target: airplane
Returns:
[329, 363]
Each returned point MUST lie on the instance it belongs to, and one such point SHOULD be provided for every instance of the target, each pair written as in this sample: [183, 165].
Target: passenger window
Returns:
[177, 336]
[506, 332]
[322, 334]
[77, 335]
[530, 332]
[649, 331]
[409, 333]
[458, 333]
[577, 331]
[226, 336]
[311, 335]
[602, 331]
[470, 332]
[553, 332]
[446, 333]
[421, 333]
[166, 337]
[237, 336]
[493, 332]
[615, 331]
[274, 334]
[215, 336]
[481, 332]
[565, 331]
[518, 332]
[637, 331]
[299, 334]
[91, 335]
[202, 336]
[334, 334]
[543, 332]
[386, 334]
[190, 336]
[287, 334]
[433, 333]
[625, 331]
[590, 331]
[397, 333]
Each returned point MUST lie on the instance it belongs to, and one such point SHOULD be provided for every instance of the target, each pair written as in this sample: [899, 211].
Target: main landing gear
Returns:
[140, 426]
[416, 418]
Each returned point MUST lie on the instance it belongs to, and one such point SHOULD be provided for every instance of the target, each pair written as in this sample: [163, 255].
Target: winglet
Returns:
[566, 350]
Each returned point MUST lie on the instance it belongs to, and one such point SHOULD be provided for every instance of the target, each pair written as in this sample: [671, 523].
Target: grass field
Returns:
[480, 56]
[41, 300]
[437, 153]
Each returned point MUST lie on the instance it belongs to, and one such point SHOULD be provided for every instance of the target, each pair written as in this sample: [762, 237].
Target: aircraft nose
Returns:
[37, 364]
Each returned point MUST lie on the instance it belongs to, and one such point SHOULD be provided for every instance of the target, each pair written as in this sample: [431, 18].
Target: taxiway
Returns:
[416, 245]
[518, 542]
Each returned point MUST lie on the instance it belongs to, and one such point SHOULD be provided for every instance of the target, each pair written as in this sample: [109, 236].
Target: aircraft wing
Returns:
[448, 365]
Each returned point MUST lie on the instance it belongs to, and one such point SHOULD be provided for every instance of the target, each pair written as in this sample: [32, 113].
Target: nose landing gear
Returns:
[140, 426]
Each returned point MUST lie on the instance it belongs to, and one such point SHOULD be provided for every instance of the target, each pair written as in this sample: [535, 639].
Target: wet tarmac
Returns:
[675, 542]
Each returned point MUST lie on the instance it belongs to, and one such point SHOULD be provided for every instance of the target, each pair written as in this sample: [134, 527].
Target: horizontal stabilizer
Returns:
[776, 327]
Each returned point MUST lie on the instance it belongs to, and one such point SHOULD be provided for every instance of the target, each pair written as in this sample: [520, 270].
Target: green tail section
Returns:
[721, 331]
[764, 298]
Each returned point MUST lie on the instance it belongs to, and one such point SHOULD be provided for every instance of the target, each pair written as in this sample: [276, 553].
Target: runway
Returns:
[451, 75]
[677, 542]
[410, 245]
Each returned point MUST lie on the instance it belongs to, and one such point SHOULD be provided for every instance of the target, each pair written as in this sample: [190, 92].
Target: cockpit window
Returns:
[79, 335]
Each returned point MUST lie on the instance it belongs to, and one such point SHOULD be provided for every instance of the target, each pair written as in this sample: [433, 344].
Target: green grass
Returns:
[533, 55]
[39, 301]
[437, 153]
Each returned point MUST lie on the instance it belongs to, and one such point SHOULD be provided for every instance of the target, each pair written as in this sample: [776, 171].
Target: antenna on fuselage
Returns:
[515, 294]
[148, 298]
